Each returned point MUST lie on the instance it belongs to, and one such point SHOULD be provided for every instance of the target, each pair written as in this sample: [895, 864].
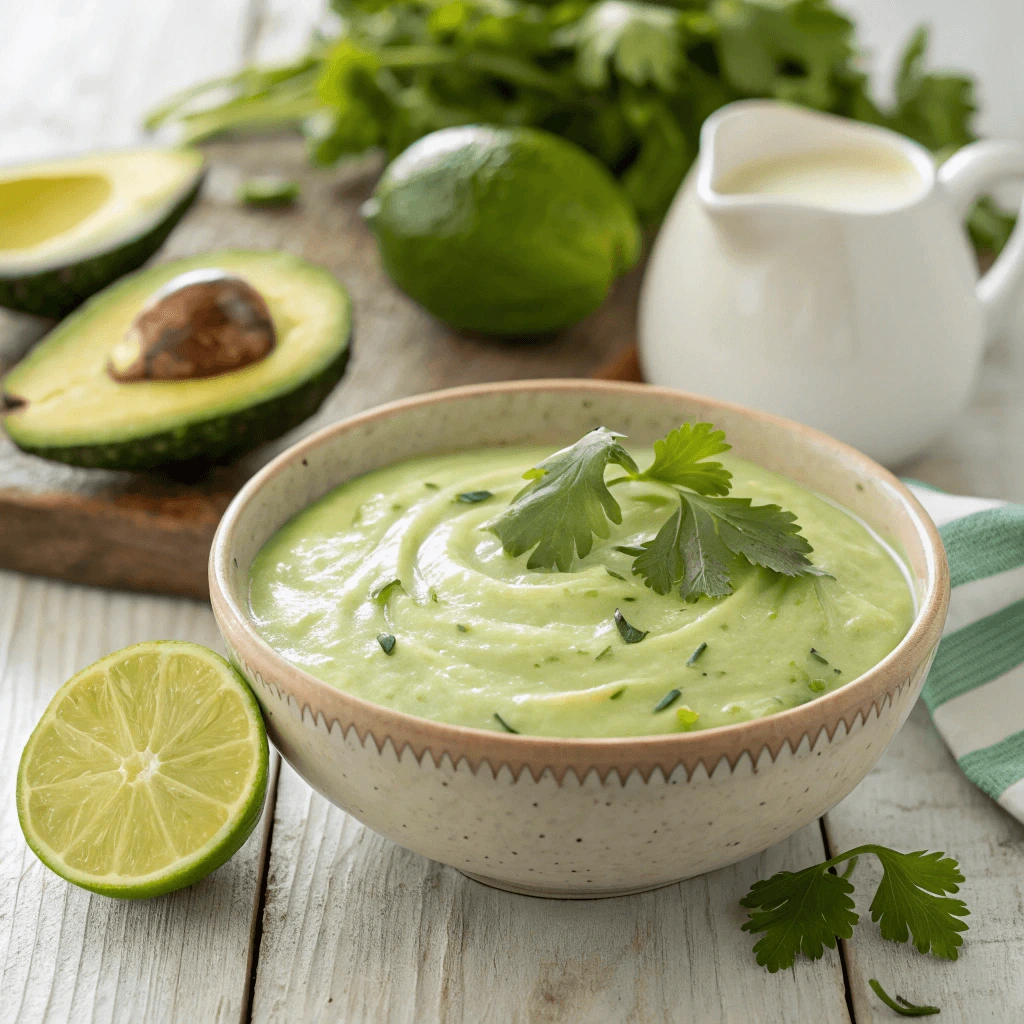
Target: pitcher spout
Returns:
[760, 155]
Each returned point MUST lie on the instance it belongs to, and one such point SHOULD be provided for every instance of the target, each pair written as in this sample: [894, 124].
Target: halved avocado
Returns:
[67, 407]
[71, 227]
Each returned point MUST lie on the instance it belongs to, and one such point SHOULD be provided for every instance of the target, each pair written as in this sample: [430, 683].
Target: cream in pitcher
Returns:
[818, 268]
[850, 178]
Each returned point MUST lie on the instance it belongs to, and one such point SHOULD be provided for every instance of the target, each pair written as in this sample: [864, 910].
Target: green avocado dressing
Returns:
[480, 640]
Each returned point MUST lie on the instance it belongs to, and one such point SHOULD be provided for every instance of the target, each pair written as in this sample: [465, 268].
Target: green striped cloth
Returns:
[975, 691]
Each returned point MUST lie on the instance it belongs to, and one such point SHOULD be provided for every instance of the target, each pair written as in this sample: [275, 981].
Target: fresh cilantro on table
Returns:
[630, 82]
[904, 1007]
[568, 503]
[804, 911]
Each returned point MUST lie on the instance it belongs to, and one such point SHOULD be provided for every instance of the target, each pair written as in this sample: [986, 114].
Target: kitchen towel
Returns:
[975, 690]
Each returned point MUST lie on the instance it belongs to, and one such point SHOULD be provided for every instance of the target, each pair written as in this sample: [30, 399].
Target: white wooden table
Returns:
[318, 919]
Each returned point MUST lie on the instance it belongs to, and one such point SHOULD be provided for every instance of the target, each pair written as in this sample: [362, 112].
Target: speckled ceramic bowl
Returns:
[573, 817]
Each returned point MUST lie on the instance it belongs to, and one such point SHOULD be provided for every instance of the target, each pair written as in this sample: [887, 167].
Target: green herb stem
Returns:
[903, 1007]
[695, 657]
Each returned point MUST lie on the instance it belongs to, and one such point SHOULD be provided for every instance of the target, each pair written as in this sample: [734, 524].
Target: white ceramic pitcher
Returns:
[869, 325]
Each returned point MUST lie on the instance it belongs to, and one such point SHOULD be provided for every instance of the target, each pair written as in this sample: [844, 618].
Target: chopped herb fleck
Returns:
[618, 693]
[668, 700]
[817, 685]
[473, 497]
[687, 717]
[591, 593]
[461, 628]
[838, 671]
[615, 575]
[433, 595]
[606, 653]
[724, 625]
[504, 724]
[629, 549]
[382, 593]
[268, 191]
[431, 486]
[387, 642]
[695, 657]
[817, 656]
[630, 634]
[629, 599]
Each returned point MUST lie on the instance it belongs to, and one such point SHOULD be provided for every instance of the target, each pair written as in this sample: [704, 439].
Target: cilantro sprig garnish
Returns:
[568, 502]
[805, 911]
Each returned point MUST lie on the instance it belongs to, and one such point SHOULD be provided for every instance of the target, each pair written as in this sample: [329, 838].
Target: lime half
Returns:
[147, 771]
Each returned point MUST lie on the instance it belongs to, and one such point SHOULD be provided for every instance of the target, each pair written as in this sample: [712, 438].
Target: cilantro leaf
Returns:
[687, 548]
[904, 1007]
[764, 534]
[705, 558]
[806, 910]
[566, 503]
[799, 912]
[660, 560]
[680, 458]
[911, 901]
[640, 40]
[789, 51]
[697, 544]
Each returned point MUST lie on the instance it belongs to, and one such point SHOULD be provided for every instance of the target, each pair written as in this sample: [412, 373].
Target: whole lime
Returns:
[502, 230]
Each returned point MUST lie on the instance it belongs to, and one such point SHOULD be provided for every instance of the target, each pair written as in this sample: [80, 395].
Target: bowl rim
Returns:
[559, 755]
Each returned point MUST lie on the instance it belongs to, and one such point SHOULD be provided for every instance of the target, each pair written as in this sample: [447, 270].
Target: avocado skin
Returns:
[55, 293]
[220, 439]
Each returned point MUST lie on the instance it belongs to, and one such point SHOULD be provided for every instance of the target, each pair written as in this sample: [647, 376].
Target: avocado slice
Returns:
[66, 406]
[69, 228]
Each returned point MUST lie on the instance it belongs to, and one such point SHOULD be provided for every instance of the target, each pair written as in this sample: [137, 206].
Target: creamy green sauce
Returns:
[478, 634]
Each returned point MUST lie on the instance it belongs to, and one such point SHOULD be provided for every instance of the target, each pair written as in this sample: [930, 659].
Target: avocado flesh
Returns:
[71, 227]
[67, 407]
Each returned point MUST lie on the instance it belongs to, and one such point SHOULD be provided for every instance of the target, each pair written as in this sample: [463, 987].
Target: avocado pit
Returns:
[202, 323]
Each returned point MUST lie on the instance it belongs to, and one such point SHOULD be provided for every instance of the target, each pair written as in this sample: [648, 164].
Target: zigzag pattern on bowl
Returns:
[314, 717]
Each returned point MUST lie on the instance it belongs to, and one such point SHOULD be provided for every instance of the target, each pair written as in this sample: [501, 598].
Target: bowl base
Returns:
[555, 892]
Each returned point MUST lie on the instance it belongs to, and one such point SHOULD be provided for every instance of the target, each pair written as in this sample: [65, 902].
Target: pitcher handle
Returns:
[966, 174]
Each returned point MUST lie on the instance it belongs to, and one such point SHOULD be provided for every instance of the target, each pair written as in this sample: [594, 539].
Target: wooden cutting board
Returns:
[152, 531]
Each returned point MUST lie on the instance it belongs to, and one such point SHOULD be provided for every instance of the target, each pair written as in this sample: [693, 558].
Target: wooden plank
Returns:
[360, 931]
[67, 955]
[151, 531]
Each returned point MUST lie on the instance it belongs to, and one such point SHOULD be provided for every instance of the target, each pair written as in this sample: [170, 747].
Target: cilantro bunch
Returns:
[568, 502]
[631, 82]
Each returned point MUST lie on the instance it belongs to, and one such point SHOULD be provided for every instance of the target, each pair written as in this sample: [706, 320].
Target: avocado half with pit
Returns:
[70, 227]
[65, 404]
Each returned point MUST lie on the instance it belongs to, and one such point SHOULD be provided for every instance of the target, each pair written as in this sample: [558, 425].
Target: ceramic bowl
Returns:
[575, 817]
